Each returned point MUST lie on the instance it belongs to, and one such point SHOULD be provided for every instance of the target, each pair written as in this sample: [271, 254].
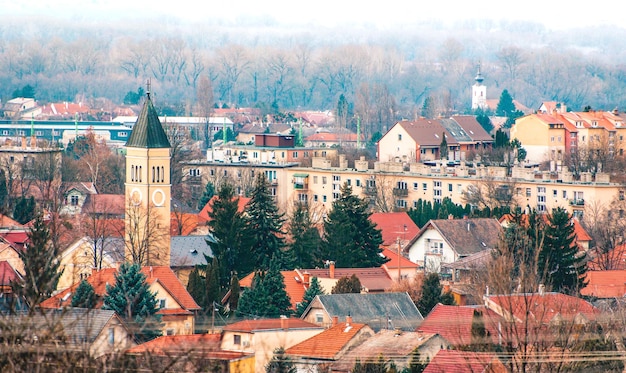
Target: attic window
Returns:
[193, 251]
[437, 136]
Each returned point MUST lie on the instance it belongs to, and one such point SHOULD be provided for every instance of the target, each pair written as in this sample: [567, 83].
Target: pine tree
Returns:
[416, 364]
[561, 266]
[347, 285]
[24, 210]
[227, 225]
[233, 300]
[351, 239]
[313, 290]
[41, 266]
[85, 296]
[195, 287]
[252, 298]
[264, 224]
[306, 240]
[479, 334]
[432, 294]
[212, 284]
[280, 363]
[4, 193]
[505, 107]
[207, 194]
[267, 296]
[131, 299]
[443, 148]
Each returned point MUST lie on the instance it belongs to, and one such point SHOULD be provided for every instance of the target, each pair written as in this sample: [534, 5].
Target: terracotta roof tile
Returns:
[374, 279]
[329, 343]
[251, 326]
[427, 132]
[455, 361]
[605, 284]
[394, 225]
[7, 273]
[203, 216]
[392, 255]
[454, 323]
[207, 345]
[293, 286]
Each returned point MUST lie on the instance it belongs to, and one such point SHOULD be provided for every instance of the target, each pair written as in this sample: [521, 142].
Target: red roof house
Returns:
[394, 226]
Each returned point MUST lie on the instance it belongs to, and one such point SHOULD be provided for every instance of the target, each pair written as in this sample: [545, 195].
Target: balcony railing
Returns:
[400, 192]
[301, 186]
[577, 202]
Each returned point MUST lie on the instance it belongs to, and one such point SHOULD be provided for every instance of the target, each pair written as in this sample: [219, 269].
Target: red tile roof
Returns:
[605, 284]
[205, 345]
[108, 204]
[203, 216]
[374, 279]
[329, 343]
[455, 361]
[392, 255]
[7, 222]
[543, 308]
[394, 225]
[293, 286]
[7, 273]
[579, 230]
[454, 323]
[251, 326]
[614, 259]
[163, 274]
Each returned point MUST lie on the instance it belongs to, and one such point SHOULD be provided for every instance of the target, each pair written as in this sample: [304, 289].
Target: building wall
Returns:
[431, 250]
[11, 256]
[243, 365]
[397, 146]
[121, 340]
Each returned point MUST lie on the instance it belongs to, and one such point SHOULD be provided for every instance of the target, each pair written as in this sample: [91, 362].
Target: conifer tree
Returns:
[314, 290]
[252, 298]
[306, 240]
[212, 284]
[416, 364]
[280, 363]
[131, 299]
[267, 296]
[347, 285]
[24, 210]
[480, 341]
[561, 267]
[207, 194]
[41, 265]
[233, 300]
[443, 148]
[264, 225]
[351, 239]
[432, 294]
[227, 225]
[196, 288]
[85, 296]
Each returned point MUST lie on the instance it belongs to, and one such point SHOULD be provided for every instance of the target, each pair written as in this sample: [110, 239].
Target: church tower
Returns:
[479, 92]
[148, 190]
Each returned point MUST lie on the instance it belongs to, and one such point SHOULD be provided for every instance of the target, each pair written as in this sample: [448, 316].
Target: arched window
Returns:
[139, 175]
[153, 174]
[162, 174]
[132, 173]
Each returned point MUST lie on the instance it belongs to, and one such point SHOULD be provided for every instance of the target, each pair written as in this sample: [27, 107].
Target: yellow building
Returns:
[148, 190]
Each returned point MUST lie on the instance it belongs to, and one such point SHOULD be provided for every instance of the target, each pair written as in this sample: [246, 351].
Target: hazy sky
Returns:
[555, 14]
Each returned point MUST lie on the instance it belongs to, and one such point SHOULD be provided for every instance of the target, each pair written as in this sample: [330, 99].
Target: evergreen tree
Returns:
[227, 225]
[347, 285]
[280, 363]
[480, 337]
[212, 284]
[4, 194]
[233, 300]
[561, 266]
[41, 265]
[505, 107]
[443, 148]
[24, 209]
[267, 296]
[131, 299]
[196, 288]
[264, 224]
[207, 194]
[85, 296]
[416, 364]
[432, 294]
[482, 117]
[306, 240]
[313, 290]
[351, 239]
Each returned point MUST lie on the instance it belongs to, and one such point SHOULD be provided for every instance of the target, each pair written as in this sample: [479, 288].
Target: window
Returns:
[336, 178]
[295, 154]
[555, 193]
[315, 198]
[415, 186]
[169, 332]
[74, 200]
[323, 179]
[111, 338]
[357, 182]
[565, 194]
[399, 137]
[5, 133]
[324, 198]
[121, 134]
[161, 303]
[401, 203]
[424, 186]
[336, 195]
[449, 187]
[314, 179]
[38, 133]
[237, 339]
[528, 192]
[621, 195]
[349, 182]
[212, 172]
[319, 318]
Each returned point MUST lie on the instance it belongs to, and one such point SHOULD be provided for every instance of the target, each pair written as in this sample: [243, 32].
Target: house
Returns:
[97, 332]
[454, 323]
[75, 196]
[321, 350]
[469, 133]
[21, 108]
[10, 254]
[605, 284]
[184, 219]
[443, 241]
[457, 361]
[415, 141]
[248, 133]
[373, 280]
[185, 353]
[399, 267]
[377, 310]
[8, 275]
[64, 110]
[109, 206]
[342, 138]
[394, 227]
[176, 306]
[296, 283]
[204, 214]
[394, 345]
[261, 337]
[188, 252]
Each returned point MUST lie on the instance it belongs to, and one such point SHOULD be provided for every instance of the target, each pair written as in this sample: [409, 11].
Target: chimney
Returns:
[283, 322]
[348, 320]
[331, 269]
[150, 271]
[335, 320]
[23, 142]
[307, 276]
[542, 289]
[450, 217]
[487, 290]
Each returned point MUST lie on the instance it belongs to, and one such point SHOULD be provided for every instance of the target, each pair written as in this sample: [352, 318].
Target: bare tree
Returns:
[144, 236]
[204, 107]
[491, 193]
[607, 228]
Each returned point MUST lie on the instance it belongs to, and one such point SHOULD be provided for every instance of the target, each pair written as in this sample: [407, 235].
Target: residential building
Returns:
[261, 337]
[391, 310]
[454, 324]
[176, 306]
[21, 108]
[75, 196]
[465, 362]
[395, 227]
[398, 266]
[316, 353]
[605, 284]
[396, 346]
[443, 241]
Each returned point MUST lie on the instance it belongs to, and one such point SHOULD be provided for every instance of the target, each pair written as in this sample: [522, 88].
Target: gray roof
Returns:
[467, 236]
[455, 130]
[148, 131]
[189, 251]
[378, 310]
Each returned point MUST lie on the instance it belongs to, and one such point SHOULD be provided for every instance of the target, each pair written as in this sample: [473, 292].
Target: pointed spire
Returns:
[479, 78]
[148, 131]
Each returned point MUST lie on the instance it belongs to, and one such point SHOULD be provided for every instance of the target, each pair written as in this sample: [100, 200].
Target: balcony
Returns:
[577, 202]
[370, 190]
[400, 192]
[301, 186]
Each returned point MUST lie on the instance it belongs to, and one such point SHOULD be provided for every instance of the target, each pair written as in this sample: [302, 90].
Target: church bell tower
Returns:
[479, 92]
[147, 190]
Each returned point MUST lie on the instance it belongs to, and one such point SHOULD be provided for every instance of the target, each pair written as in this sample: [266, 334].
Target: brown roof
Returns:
[109, 204]
[467, 236]
[251, 326]
[7, 274]
[374, 279]
[206, 345]
[427, 132]
[472, 128]
[329, 343]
